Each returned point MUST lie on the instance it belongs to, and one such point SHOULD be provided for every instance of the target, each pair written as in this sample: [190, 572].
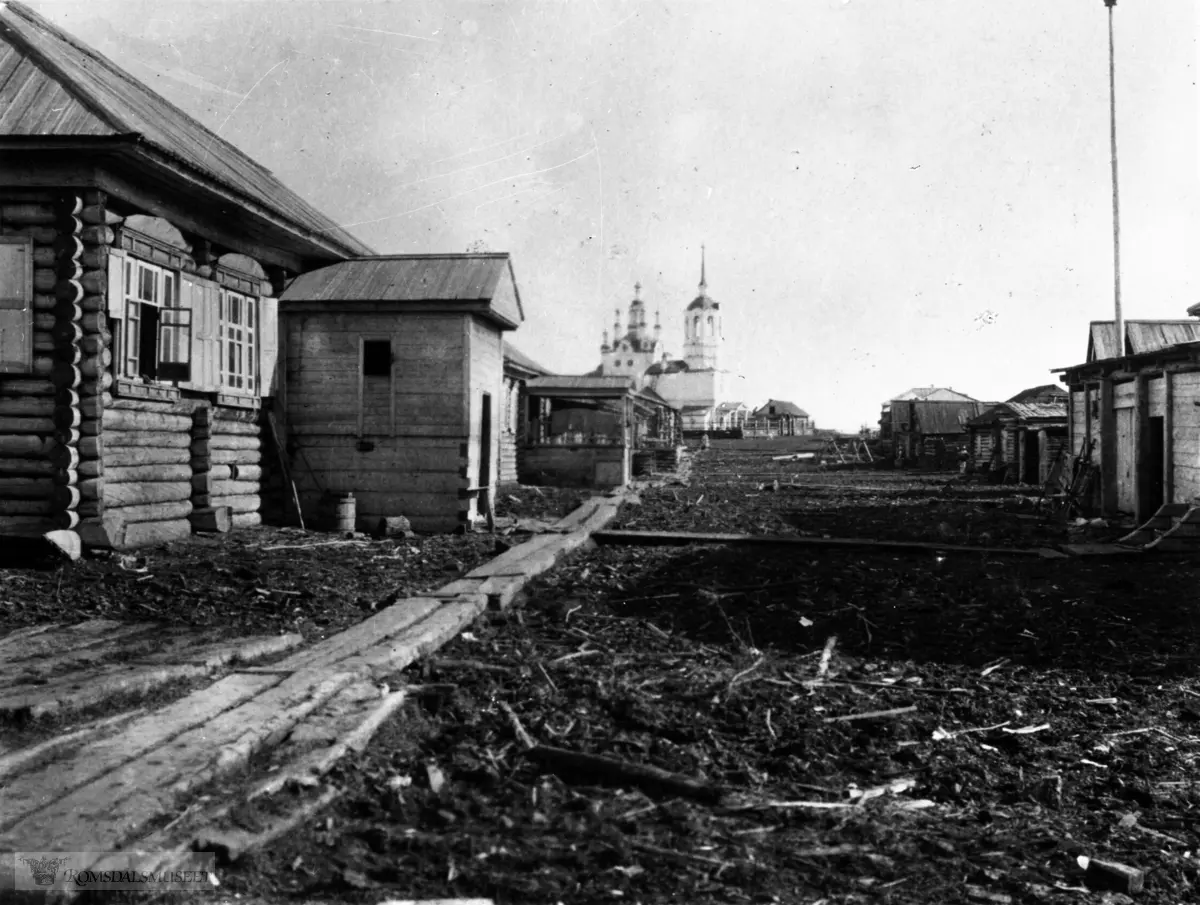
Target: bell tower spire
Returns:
[703, 280]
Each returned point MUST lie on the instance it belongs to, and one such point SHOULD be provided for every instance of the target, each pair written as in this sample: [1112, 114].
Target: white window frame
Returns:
[144, 283]
[238, 318]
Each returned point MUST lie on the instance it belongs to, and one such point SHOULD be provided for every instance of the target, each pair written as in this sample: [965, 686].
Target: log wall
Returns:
[51, 420]
[122, 472]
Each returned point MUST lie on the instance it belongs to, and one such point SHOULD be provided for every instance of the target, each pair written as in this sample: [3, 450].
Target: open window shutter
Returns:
[268, 346]
[116, 284]
[201, 297]
[16, 306]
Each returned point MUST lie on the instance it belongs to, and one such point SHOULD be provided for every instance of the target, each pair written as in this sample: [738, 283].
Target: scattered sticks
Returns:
[592, 767]
[872, 715]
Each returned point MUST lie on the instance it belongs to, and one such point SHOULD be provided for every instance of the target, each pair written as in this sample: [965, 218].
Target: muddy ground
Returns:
[257, 581]
[836, 725]
[841, 726]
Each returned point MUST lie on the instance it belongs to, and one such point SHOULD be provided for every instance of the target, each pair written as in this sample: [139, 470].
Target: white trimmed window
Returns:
[156, 339]
[239, 349]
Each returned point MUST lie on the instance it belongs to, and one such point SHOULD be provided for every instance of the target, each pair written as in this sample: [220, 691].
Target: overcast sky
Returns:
[893, 193]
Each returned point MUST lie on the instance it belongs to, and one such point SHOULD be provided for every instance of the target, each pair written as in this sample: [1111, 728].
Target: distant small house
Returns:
[393, 383]
[518, 369]
[1133, 412]
[779, 418]
[923, 421]
[1021, 438]
[728, 416]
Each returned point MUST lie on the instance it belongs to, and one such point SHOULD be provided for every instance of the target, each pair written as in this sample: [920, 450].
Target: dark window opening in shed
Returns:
[377, 358]
[772, 410]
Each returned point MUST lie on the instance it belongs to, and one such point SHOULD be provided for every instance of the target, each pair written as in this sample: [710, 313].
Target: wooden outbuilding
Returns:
[1136, 416]
[1018, 441]
[139, 256]
[928, 424]
[586, 431]
[393, 386]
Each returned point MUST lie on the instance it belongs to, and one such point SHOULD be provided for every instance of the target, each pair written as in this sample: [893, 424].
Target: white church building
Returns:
[695, 384]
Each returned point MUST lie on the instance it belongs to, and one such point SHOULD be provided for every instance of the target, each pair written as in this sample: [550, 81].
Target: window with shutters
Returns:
[239, 347]
[16, 306]
[156, 330]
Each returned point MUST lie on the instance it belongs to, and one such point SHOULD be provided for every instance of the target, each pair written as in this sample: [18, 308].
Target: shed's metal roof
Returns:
[52, 84]
[414, 278]
[1140, 336]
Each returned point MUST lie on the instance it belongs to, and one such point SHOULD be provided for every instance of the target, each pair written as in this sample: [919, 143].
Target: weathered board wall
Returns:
[1185, 435]
[400, 449]
[485, 364]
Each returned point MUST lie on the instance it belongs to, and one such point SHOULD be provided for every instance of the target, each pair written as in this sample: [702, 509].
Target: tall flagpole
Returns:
[1119, 322]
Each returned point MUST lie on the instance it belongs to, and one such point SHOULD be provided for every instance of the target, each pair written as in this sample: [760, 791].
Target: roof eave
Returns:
[323, 244]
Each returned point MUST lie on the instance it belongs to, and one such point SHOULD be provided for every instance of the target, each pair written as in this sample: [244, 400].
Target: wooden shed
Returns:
[1019, 441]
[1137, 418]
[586, 431]
[139, 253]
[393, 383]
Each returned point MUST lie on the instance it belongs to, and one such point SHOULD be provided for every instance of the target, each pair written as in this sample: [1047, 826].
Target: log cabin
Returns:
[393, 387]
[140, 254]
[1018, 441]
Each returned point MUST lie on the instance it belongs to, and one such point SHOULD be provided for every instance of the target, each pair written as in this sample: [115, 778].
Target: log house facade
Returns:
[139, 257]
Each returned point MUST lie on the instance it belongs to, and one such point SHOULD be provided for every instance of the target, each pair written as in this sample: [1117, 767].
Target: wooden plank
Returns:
[675, 539]
[390, 621]
[84, 689]
[39, 642]
[25, 794]
[419, 640]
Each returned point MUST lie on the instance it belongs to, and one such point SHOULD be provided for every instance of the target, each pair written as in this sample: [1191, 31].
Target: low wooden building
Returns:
[585, 431]
[393, 385]
[925, 424]
[1018, 441]
[139, 257]
[1136, 415]
[518, 369]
